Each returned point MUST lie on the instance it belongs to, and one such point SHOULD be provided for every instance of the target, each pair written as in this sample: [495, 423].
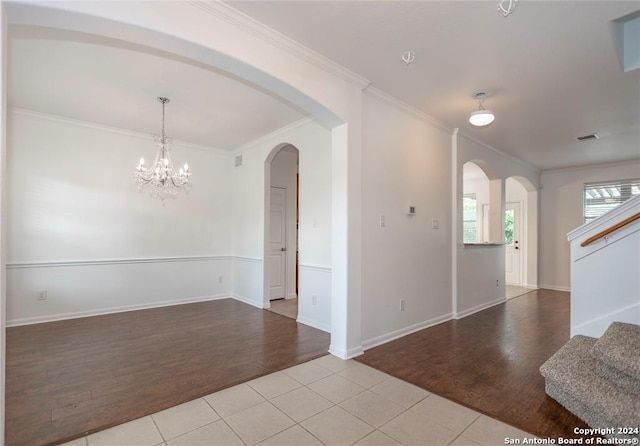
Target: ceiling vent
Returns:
[588, 137]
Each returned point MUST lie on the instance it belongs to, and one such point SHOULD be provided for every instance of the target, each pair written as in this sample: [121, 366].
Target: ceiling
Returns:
[115, 83]
[550, 70]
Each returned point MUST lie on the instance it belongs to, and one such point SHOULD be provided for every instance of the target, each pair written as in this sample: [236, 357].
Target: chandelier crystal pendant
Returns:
[161, 179]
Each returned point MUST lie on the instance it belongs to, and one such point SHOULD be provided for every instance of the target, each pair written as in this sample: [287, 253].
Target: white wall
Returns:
[73, 209]
[561, 212]
[314, 233]
[405, 161]
[480, 269]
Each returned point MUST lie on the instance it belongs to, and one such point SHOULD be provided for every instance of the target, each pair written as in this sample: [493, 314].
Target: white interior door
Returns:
[277, 244]
[513, 247]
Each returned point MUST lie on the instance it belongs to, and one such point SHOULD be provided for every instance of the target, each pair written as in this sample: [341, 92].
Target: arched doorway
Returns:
[281, 231]
[521, 239]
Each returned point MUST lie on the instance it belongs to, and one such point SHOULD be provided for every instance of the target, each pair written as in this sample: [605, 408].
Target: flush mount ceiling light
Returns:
[481, 117]
[161, 179]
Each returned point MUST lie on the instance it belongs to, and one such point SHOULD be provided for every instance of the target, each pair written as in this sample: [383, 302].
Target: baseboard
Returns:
[596, 327]
[388, 337]
[314, 324]
[346, 354]
[478, 308]
[251, 302]
[110, 310]
[292, 296]
[555, 288]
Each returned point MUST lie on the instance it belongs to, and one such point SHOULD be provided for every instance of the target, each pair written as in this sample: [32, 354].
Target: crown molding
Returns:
[274, 134]
[591, 166]
[239, 19]
[373, 91]
[119, 131]
[501, 153]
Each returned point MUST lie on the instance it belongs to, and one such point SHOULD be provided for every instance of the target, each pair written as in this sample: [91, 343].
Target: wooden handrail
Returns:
[613, 228]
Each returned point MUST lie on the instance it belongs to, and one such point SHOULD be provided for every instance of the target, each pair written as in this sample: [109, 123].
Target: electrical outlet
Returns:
[314, 300]
[401, 304]
[497, 282]
[42, 295]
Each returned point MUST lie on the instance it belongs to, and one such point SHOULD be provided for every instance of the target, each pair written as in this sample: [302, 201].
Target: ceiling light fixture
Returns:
[408, 57]
[481, 117]
[161, 179]
[507, 6]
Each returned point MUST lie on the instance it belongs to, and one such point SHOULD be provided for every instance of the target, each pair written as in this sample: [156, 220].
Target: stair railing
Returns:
[608, 231]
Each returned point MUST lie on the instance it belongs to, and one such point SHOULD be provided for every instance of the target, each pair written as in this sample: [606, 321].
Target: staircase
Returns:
[599, 380]
[605, 260]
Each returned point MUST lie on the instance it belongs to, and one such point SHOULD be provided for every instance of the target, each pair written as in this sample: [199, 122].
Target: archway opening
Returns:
[521, 236]
[281, 238]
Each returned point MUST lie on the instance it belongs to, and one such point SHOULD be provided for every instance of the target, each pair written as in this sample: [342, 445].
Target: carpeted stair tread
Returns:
[619, 349]
[572, 380]
[620, 379]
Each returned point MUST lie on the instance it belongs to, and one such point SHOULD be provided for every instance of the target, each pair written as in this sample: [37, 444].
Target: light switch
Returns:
[382, 221]
[435, 224]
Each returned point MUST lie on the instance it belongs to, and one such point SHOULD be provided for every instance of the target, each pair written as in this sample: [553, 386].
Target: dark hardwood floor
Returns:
[69, 378]
[489, 361]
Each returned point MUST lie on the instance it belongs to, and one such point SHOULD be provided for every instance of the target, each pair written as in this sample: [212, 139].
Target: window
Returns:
[600, 198]
[469, 218]
[509, 216]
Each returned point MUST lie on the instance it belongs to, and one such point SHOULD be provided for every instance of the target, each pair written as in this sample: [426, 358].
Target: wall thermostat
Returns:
[411, 210]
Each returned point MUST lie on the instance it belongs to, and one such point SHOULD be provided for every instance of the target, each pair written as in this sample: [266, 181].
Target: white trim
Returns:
[62, 263]
[500, 152]
[478, 308]
[388, 337]
[291, 296]
[314, 324]
[251, 302]
[590, 166]
[247, 259]
[273, 135]
[454, 220]
[321, 268]
[273, 37]
[103, 311]
[555, 288]
[408, 109]
[346, 354]
[596, 327]
[105, 128]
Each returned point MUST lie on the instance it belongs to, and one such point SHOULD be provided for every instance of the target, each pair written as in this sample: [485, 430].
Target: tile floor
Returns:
[285, 307]
[512, 291]
[327, 401]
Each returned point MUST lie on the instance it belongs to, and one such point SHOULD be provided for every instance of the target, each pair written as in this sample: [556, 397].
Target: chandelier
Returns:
[161, 179]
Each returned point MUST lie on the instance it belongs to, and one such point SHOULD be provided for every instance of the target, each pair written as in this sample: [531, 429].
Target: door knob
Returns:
[283, 249]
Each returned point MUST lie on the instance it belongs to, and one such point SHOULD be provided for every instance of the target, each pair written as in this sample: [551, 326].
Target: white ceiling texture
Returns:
[550, 70]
